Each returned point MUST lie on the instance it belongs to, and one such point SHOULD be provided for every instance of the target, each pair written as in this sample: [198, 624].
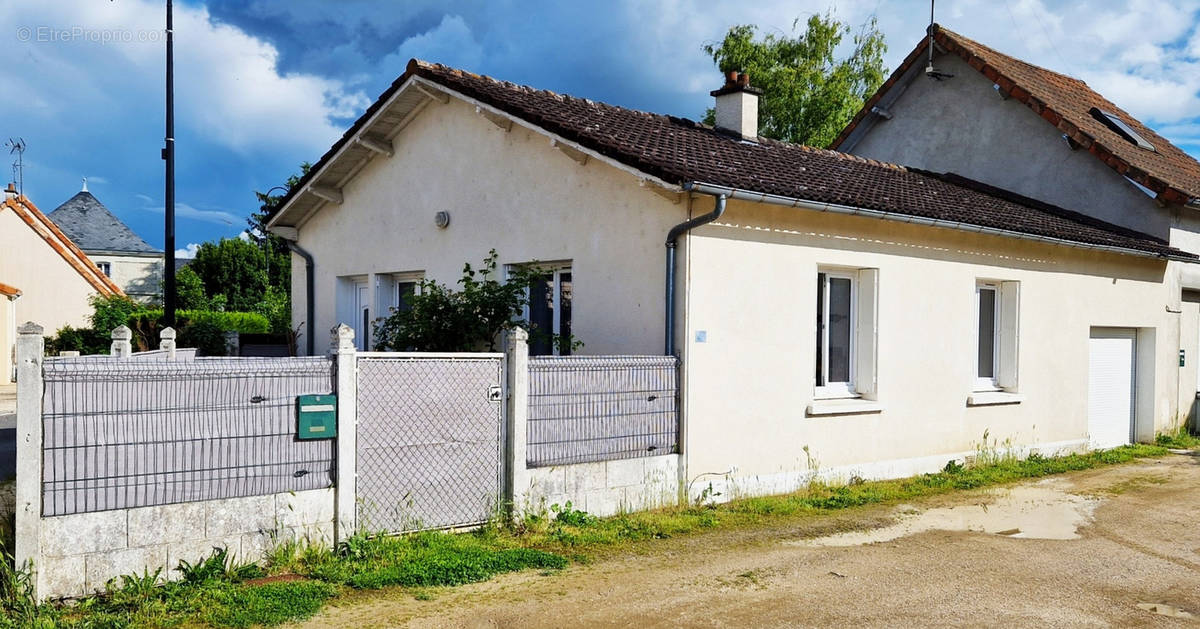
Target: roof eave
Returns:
[820, 206]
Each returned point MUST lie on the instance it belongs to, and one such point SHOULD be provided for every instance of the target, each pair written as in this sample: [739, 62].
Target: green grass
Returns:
[215, 591]
[1182, 438]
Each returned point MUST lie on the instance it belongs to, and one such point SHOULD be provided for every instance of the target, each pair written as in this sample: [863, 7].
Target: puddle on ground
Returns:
[1041, 511]
[1164, 609]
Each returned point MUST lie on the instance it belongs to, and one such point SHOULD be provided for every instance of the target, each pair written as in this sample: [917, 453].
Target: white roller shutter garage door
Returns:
[1111, 387]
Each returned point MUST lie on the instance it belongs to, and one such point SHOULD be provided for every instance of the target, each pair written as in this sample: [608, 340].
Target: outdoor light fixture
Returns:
[441, 219]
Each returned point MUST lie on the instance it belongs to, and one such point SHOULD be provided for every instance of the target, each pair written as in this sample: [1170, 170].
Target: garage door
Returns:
[1110, 388]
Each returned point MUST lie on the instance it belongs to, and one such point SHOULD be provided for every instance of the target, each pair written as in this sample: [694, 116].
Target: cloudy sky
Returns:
[263, 85]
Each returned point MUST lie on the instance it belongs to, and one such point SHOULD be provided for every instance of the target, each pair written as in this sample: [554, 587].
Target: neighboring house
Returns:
[44, 277]
[838, 314]
[121, 254]
[1051, 137]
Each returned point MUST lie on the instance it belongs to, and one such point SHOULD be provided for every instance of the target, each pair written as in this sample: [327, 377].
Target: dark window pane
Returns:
[839, 329]
[366, 326]
[564, 312]
[987, 332]
[820, 329]
[404, 294]
[541, 317]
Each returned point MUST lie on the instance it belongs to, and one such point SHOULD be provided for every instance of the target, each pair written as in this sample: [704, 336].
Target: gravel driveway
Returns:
[1135, 556]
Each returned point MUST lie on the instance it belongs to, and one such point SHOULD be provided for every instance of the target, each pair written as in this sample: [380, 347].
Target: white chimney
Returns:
[737, 105]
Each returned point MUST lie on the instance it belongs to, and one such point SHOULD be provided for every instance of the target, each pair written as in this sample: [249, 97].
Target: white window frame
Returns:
[388, 285]
[831, 390]
[555, 270]
[988, 383]
[1005, 335]
[105, 268]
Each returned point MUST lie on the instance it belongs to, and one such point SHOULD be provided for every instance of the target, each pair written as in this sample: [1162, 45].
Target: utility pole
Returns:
[169, 209]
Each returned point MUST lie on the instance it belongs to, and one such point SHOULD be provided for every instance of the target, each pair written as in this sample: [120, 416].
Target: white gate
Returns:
[429, 440]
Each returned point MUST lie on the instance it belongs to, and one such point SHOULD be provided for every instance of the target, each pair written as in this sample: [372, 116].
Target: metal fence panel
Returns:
[430, 442]
[121, 433]
[599, 408]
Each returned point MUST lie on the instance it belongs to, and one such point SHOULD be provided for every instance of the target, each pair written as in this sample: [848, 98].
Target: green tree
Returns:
[234, 269]
[809, 94]
[189, 290]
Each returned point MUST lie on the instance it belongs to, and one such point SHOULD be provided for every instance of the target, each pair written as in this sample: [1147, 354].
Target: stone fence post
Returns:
[167, 342]
[233, 343]
[516, 416]
[346, 479]
[121, 346]
[28, 516]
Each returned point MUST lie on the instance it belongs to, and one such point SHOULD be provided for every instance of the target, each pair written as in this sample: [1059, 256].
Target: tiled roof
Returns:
[1066, 103]
[94, 228]
[61, 244]
[679, 151]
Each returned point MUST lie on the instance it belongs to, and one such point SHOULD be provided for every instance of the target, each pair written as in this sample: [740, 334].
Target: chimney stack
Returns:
[737, 105]
[10, 192]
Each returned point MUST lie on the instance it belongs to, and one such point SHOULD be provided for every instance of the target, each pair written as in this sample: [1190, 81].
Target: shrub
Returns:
[202, 329]
[112, 311]
[82, 340]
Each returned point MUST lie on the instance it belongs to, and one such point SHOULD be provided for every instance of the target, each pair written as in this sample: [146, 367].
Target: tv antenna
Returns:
[930, 71]
[18, 168]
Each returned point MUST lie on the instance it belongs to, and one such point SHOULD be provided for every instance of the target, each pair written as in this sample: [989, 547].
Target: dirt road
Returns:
[1136, 531]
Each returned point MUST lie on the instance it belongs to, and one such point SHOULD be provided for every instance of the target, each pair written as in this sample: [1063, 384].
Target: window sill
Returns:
[994, 398]
[847, 406]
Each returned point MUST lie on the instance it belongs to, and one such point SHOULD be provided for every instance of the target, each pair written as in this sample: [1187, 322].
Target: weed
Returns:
[218, 566]
[568, 515]
[1180, 438]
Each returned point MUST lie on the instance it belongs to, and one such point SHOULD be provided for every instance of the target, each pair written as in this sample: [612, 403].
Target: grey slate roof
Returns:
[85, 220]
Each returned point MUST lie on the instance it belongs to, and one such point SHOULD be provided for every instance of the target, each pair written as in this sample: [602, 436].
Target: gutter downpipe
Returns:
[773, 199]
[309, 300]
[672, 237]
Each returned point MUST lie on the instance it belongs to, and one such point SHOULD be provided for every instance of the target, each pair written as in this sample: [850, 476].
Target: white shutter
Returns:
[867, 334]
[1008, 343]
[385, 295]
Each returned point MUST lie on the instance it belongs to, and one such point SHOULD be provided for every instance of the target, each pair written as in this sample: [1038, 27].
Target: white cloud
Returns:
[450, 42]
[189, 250]
[183, 210]
[228, 86]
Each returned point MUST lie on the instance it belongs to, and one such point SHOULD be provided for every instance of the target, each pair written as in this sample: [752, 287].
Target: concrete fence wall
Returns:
[78, 553]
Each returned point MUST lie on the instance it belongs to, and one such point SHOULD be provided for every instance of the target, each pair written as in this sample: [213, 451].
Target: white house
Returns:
[831, 312]
[121, 254]
[44, 276]
[1049, 136]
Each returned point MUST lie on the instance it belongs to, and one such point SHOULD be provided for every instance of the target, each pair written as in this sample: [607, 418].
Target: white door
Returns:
[1111, 387]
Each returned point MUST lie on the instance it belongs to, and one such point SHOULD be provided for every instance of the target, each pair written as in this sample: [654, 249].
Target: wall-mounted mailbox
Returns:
[316, 416]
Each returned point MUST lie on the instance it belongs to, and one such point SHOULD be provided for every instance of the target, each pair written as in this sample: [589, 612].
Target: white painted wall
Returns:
[139, 276]
[961, 125]
[752, 289]
[54, 293]
[505, 190]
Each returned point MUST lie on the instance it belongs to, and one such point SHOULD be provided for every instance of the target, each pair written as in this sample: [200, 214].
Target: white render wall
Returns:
[80, 552]
[751, 287]
[508, 190]
[604, 488]
[139, 276]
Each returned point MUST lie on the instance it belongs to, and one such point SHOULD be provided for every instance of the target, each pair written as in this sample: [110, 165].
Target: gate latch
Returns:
[494, 393]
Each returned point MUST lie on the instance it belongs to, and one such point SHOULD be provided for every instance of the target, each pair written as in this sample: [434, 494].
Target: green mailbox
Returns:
[316, 416]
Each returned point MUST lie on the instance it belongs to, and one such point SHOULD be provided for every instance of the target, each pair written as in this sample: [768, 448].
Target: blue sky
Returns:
[262, 85]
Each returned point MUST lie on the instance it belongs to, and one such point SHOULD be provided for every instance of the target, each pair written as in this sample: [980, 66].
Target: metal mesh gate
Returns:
[430, 442]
